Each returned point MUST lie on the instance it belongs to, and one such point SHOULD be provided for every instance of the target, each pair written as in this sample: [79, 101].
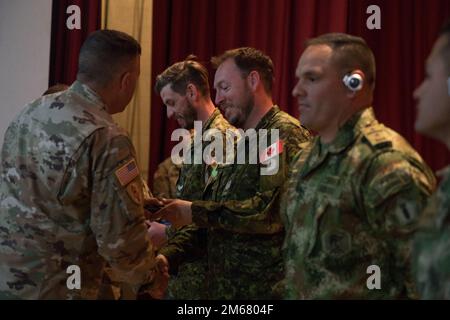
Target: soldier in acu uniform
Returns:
[354, 194]
[70, 192]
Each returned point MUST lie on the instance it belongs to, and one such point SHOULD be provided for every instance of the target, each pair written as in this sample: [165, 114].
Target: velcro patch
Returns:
[134, 190]
[377, 137]
[127, 173]
[271, 151]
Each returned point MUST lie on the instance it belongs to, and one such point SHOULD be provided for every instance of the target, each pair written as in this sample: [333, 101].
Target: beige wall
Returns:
[25, 28]
[135, 18]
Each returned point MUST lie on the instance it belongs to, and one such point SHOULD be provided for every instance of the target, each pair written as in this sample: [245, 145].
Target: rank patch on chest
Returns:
[127, 173]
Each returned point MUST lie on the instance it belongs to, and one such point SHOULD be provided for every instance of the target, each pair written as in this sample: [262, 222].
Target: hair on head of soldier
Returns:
[249, 59]
[56, 88]
[350, 53]
[105, 54]
[180, 74]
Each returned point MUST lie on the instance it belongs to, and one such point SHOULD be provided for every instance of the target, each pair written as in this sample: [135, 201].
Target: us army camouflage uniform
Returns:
[70, 194]
[351, 204]
[191, 268]
[245, 232]
[431, 255]
[165, 179]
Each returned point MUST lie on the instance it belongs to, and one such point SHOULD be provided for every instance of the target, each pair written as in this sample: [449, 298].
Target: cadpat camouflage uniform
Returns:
[70, 194]
[431, 251]
[245, 232]
[190, 266]
[351, 204]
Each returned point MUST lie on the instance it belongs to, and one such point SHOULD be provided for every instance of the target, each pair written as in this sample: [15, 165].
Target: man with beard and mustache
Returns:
[354, 194]
[431, 254]
[245, 232]
[184, 89]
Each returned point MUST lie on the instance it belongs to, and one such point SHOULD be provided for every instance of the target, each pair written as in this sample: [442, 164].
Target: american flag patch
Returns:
[127, 172]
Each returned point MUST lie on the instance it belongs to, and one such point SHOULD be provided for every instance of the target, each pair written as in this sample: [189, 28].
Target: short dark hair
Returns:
[180, 74]
[445, 51]
[56, 88]
[349, 52]
[104, 53]
[247, 60]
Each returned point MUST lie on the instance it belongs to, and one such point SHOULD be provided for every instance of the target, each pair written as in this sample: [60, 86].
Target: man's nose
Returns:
[219, 99]
[170, 113]
[298, 90]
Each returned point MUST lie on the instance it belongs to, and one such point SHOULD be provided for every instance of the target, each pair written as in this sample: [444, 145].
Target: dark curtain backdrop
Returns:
[65, 43]
[279, 28]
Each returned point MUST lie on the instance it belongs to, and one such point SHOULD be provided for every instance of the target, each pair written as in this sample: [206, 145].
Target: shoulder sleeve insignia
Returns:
[127, 173]
[134, 190]
[271, 151]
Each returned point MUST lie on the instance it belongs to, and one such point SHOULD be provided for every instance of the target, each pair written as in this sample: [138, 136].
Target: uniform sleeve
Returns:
[117, 217]
[186, 244]
[395, 192]
[259, 214]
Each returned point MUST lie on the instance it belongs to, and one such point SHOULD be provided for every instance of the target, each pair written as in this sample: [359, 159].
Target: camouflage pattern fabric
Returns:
[241, 213]
[189, 267]
[70, 194]
[351, 204]
[431, 251]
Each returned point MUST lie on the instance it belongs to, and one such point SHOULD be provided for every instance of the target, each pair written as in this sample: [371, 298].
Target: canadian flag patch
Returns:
[271, 151]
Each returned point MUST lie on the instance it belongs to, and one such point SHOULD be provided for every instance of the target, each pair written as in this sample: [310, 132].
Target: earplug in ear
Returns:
[353, 81]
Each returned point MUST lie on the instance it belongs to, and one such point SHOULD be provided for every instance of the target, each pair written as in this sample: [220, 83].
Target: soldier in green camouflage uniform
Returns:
[241, 206]
[70, 192]
[184, 88]
[431, 254]
[355, 193]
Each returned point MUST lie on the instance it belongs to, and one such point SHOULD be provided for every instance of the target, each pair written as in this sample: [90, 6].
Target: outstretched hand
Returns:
[177, 212]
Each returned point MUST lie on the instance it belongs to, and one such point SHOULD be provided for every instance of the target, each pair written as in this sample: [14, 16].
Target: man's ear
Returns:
[125, 79]
[253, 80]
[192, 93]
[353, 93]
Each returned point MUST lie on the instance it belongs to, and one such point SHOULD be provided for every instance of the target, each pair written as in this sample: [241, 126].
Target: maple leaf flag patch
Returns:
[271, 151]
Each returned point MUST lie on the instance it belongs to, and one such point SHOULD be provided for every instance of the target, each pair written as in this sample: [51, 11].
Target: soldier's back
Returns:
[44, 229]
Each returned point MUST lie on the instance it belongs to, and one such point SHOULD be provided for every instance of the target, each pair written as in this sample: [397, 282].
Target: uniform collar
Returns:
[265, 120]
[88, 93]
[345, 137]
[347, 134]
[211, 119]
